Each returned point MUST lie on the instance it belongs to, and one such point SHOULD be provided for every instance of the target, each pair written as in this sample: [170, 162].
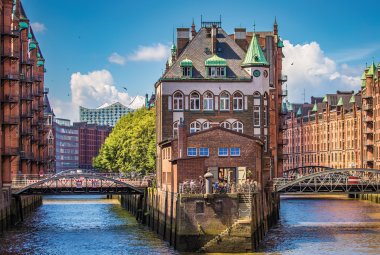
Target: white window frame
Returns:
[235, 154]
[224, 101]
[238, 126]
[238, 102]
[191, 155]
[177, 101]
[205, 149]
[208, 102]
[195, 126]
[222, 155]
[195, 102]
[205, 125]
[226, 125]
[256, 116]
[186, 71]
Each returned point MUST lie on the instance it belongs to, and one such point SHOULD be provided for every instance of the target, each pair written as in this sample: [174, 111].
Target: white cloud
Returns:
[92, 90]
[116, 59]
[156, 52]
[309, 68]
[38, 27]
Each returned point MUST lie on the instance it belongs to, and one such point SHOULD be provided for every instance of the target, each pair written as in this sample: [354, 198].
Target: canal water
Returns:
[89, 225]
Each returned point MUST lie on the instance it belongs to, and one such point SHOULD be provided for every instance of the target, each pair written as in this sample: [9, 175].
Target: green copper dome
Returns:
[186, 62]
[325, 99]
[352, 99]
[215, 61]
[32, 46]
[30, 36]
[173, 48]
[315, 107]
[23, 25]
[371, 70]
[340, 102]
[254, 56]
[299, 112]
[280, 43]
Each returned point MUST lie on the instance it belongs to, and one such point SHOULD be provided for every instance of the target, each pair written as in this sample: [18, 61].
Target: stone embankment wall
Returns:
[16, 209]
[370, 197]
[206, 223]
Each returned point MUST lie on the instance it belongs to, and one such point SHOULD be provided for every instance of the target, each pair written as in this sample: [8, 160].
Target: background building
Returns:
[233, 82]
[91, 138]
[105, 115]
[49, 152]
[22, 129]
[66, 145]
[339, 130]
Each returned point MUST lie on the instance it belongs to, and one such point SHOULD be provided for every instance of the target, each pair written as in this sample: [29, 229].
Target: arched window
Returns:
[208, 101]
[195, 101]
[178, 101]
[225, 124]
[195, 126]
[238, 101]
[205, 125]
[175, 129]
[237, 126]
[224, 101]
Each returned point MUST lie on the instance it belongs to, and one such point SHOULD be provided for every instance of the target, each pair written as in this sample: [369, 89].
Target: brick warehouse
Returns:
[215, 79]
[23, 134]
[339, 130]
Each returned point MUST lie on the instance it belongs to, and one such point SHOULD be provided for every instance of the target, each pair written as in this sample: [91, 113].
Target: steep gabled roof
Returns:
[255, 55]
[198, 51]
[47, 110]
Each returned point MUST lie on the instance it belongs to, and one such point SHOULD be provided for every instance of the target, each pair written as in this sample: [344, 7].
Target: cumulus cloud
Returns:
[155, 52]
[92, 90]
[309, 68]
[38, 27]
[116, 59]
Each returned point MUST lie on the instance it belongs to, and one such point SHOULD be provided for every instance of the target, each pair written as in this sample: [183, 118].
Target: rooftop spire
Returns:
[254, 56]
[315, 108]
[193, 32]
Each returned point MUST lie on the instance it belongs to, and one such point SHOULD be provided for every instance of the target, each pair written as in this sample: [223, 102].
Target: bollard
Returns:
[208, 176]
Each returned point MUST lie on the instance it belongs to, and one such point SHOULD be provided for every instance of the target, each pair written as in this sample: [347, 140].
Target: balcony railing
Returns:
[37, 93]
[26, 132]
[13, 76]
[284, 93]
[27, 115]
[367, 96]
[37, 78]
[27, 97]
[10, 120]
[10, 151]
[368, 107]
[369, 143]
[7, 53]
[10, 99]
[8, 30]
[368, 119]
[28, 62]
[26, 78]
[368, 131]
[26, 155]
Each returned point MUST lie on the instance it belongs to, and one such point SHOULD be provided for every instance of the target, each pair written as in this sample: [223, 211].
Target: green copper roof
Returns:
[299, 112]
[40, 62]
[186, 62]
[254, 56]
[290, 107]
[324, 99]
[23, 25]
[371, 70]
[30, 36]
[340, 102]
[173, 48]
[215, 61]
[280, 43]
[284, 108]
[363, 78]
[315, 107]
[352, 99]
[32, 46]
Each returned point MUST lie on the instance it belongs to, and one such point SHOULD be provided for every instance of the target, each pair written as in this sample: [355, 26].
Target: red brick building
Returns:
[91, 138]
[23, 132]
[230, 81]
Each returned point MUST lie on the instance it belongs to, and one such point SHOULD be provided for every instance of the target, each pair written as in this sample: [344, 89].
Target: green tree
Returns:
[131, 146]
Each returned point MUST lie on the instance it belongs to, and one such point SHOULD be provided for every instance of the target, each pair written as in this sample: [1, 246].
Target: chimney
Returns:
[241, 38]
[183, 38]
[214, 33]
[182, 139]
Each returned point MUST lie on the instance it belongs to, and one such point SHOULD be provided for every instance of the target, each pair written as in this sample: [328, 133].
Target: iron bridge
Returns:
[77, 182]
[326, 180]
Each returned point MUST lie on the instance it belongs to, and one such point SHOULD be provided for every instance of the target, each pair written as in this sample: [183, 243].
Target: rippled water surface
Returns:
[81, 225]
[88, 225]
[325, 226]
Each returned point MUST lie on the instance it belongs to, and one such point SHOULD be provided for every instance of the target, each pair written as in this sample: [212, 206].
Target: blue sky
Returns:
[330, 40]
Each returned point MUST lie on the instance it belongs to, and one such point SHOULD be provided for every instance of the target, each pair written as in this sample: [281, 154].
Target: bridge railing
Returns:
[197, 187]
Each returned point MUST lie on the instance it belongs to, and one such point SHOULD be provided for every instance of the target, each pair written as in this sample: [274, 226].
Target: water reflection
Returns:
[81, 225]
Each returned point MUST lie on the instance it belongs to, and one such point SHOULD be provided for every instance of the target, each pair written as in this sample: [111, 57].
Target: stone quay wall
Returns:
[206, 223]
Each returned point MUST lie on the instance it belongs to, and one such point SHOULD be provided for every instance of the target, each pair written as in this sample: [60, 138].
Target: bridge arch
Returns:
[346, 180]
[82, 182]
